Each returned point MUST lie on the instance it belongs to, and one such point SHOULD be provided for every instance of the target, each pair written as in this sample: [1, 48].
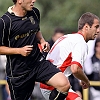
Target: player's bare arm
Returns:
[44, 44]
[78, 73]
[24, 51]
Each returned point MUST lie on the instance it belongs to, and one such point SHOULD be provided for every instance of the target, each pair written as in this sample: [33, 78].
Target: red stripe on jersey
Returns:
[40, 47]
[66, 63]
[43, 86]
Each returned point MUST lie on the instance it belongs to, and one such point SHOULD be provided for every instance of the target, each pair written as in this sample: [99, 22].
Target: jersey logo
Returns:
[32, 19]
[24, 18]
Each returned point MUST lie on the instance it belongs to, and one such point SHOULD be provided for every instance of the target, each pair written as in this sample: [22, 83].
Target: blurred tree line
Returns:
[59, 13]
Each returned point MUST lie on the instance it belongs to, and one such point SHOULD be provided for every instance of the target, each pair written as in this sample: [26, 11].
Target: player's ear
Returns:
[86, 26]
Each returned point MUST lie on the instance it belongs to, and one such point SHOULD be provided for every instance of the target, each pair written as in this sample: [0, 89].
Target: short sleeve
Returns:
[79, 53]
[4, 30]
[37, 14]
[2, 27]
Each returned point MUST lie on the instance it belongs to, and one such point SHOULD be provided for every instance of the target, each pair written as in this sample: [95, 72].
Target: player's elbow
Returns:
[75, 69]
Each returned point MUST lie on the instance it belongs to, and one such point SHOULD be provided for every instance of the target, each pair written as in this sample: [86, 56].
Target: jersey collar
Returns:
[10, 9]
[81, 34]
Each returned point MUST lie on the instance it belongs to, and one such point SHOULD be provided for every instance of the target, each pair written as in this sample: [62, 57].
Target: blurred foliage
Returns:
[4, 4]
[59, 13]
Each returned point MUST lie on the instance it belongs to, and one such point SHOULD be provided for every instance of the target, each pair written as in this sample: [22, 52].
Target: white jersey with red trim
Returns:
[67, 50]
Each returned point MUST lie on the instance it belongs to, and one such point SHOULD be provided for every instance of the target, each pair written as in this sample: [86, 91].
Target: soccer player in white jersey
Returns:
[69, 53]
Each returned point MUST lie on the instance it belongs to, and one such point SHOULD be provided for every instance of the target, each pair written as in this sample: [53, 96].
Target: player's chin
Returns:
[95, 36]
[29, 9]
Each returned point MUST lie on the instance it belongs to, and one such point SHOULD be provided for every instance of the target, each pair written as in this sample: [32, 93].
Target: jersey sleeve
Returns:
[2, 26]
[3, 32]
[79, 54]
[37, 14]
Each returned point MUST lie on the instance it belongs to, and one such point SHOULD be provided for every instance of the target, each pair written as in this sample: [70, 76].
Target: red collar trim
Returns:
[81, 34]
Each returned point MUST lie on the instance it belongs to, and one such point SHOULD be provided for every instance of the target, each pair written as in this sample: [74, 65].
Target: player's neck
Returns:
[18, 11]
[83, 34]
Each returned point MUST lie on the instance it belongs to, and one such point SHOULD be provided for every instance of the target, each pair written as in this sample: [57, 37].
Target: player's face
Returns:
[56, 36]
[28, 4]
[94, 30]
[97, 48]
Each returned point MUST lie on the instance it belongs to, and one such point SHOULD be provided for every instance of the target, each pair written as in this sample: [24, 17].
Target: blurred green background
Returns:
[59, 13]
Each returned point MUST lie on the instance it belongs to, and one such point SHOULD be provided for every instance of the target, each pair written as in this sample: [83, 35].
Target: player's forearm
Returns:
[40, 37]
[78, 73]
[81, 75]
[9, 51]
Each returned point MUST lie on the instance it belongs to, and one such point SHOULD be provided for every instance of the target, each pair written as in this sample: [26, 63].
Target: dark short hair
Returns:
[86, 18]
[14, 1]
[59, 30]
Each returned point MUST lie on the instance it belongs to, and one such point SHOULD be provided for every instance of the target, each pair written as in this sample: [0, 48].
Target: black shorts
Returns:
[21, 87]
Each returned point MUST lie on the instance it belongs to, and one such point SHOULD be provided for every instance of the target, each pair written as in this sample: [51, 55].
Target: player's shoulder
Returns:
[5, 17]
[77, 37]
[5, 20]
[36, 10]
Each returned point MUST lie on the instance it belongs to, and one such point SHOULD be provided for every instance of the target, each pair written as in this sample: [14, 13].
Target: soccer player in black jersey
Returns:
[19, 38]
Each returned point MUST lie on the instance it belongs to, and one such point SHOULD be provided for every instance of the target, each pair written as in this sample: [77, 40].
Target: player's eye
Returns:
[97, 26]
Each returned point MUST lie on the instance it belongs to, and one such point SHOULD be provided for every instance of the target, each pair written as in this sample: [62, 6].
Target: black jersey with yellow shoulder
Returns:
[17, 32]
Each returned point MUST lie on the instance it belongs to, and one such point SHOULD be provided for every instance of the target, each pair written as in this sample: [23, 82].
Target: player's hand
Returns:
[26, 50]
[45, 46]
[85, 85]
